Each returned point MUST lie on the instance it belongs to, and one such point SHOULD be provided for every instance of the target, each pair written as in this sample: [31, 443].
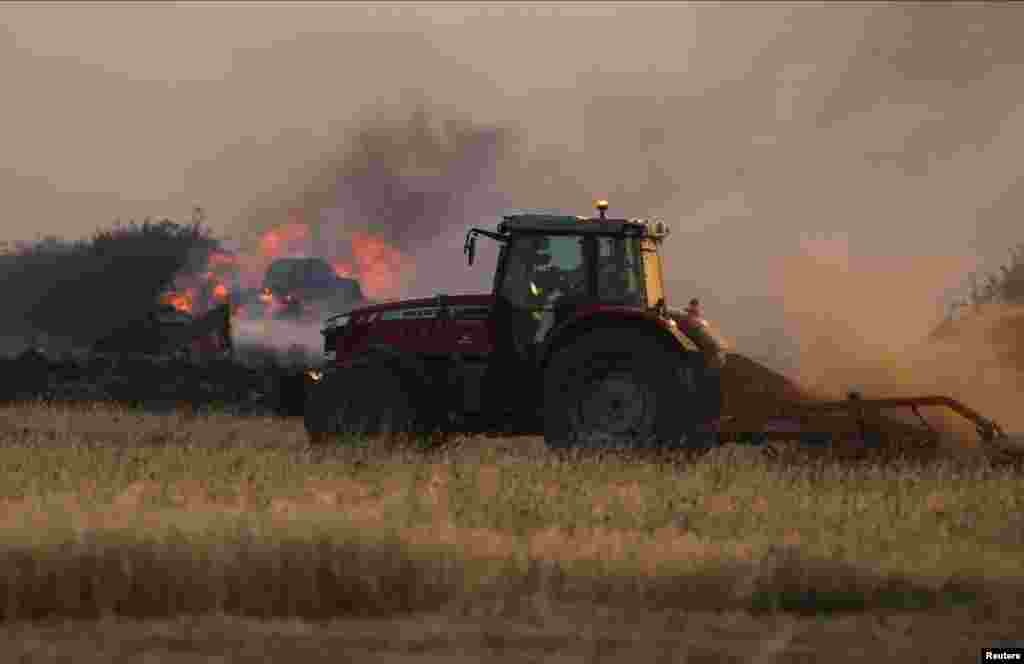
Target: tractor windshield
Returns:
[540, 269]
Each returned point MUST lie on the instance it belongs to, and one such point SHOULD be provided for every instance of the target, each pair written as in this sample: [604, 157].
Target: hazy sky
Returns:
[895, 131]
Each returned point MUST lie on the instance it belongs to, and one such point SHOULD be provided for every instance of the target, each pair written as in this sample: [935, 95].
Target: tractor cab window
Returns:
[619, 271]
[541, 269]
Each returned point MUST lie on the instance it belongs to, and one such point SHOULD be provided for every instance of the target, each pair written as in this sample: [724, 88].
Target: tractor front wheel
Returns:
[620, 388]
[361, 401]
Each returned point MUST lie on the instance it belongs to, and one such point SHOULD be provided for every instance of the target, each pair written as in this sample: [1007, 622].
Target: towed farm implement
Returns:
[873, 422]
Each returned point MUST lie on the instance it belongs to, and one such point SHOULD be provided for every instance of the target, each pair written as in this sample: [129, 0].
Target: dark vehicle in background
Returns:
[302, 289]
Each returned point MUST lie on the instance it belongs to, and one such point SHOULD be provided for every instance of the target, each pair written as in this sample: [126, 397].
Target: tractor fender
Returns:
[665, 330]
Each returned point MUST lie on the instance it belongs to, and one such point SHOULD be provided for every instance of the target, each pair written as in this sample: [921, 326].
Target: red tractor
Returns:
[575, 340]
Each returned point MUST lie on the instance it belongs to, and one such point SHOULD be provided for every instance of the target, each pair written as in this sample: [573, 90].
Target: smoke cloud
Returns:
[389, 205]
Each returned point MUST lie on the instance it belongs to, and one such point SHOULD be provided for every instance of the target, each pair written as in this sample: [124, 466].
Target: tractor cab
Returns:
[553, 268]
[615, 261]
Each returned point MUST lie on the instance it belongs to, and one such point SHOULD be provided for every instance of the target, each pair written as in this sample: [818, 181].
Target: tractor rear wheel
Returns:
[621, 388]
[362, 401]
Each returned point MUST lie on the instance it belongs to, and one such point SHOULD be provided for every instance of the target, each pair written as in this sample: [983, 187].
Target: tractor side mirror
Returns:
[470, 247]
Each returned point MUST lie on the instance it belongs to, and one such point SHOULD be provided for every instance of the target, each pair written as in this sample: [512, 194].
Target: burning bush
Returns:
[81, 291]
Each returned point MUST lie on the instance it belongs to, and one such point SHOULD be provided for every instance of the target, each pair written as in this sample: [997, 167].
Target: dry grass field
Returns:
[133, 537]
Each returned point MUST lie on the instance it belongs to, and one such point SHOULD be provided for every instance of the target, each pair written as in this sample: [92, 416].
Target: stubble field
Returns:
[216, 538]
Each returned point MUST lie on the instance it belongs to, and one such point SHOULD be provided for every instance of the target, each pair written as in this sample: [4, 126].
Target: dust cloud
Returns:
[866, 323]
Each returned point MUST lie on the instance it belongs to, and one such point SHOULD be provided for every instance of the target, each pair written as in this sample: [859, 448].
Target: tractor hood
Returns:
[420, 308]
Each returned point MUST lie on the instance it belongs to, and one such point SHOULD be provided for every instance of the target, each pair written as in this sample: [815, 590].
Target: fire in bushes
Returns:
[283, 274]
[348, 229]
[196, 292]
[378, 265]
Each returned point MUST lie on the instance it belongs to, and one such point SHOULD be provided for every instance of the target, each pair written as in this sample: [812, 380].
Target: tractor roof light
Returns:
[602, 207]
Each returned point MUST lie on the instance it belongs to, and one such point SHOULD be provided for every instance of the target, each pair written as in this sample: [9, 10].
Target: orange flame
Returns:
[381, 266]
[343, 269]
[197, 292]
[288, 237]
[180, 300]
